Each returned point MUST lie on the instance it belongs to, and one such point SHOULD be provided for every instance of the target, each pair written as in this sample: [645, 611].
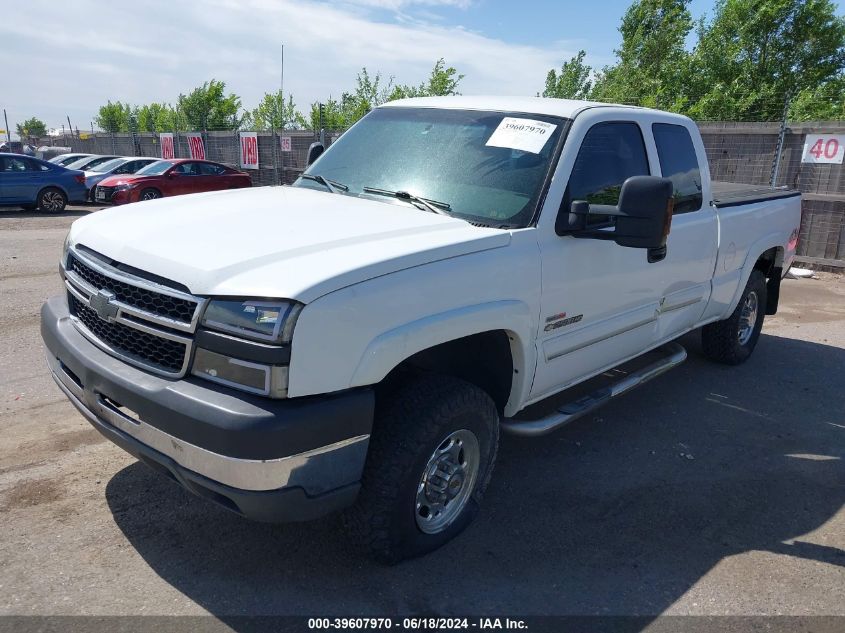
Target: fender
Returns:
[765, 243]
[390, 348]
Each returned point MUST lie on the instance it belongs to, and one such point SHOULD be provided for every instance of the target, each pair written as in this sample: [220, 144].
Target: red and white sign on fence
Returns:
[195, 145]
[167, 145]
[249, 150]
[287, 144]
[824, 148]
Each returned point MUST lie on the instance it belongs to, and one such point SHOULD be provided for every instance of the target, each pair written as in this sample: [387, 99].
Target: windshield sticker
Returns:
[522, 134]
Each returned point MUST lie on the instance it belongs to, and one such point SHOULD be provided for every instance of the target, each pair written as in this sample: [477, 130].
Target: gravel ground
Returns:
[713, 490]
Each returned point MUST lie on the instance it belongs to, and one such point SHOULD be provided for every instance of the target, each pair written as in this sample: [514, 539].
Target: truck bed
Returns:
[731, 194]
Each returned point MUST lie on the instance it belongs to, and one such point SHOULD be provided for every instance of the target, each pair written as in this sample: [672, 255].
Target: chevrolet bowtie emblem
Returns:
[101, 303]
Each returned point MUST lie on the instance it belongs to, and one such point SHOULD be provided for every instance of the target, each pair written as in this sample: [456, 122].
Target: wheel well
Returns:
[770, 263]
[483, 359]
[769, 260]
[48, 187]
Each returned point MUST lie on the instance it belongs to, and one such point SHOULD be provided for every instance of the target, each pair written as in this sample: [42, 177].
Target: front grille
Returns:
[109, 191]
[161, 353]
[141, 298]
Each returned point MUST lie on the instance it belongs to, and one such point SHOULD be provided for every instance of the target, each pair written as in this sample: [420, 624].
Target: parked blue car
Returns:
[32, 183]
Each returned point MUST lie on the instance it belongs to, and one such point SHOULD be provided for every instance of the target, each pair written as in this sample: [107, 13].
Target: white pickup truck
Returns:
[357, 340]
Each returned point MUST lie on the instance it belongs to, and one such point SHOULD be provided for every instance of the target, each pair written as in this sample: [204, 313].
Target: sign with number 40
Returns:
[824, 148]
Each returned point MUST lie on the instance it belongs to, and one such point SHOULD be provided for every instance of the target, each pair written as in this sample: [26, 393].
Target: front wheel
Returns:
[431, 455]
[732, 340]
[52, 200]
[149, 194]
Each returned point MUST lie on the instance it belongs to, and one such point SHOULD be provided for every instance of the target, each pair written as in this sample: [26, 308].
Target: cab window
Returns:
[679, 163]
[610, 153]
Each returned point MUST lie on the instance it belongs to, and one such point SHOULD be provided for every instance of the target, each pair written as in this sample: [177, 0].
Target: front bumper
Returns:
[268, 460]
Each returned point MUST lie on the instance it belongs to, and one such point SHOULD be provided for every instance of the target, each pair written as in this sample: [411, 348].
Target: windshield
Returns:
[108, 165]
[486, 166]
[153, 169]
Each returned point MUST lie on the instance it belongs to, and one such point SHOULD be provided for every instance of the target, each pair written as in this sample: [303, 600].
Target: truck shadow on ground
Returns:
[621, 513]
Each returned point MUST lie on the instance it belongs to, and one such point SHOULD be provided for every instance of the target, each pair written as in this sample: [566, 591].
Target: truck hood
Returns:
[285, 242]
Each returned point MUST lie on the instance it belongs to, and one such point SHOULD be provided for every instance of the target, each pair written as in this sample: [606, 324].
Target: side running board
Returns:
[673, 355]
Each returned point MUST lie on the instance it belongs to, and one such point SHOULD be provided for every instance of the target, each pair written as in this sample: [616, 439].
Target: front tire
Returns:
[431, 455]
[51, 200]
[149, 194]
[732, 340]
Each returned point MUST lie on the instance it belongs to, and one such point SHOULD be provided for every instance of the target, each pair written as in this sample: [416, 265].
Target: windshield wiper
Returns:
[434, 206]
[331, 185]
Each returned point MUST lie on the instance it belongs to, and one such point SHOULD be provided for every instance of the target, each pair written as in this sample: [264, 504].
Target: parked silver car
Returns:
[90, 161]
[66, 159]
[114, 167]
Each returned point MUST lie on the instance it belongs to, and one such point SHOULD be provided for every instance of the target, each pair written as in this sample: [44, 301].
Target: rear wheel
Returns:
[733, 340]
[149, 194]
[431, 455]
[51, 200]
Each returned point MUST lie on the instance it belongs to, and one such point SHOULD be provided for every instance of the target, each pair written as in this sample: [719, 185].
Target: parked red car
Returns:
[170, 178]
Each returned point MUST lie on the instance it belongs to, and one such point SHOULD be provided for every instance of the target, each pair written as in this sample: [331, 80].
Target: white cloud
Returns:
[75, 60]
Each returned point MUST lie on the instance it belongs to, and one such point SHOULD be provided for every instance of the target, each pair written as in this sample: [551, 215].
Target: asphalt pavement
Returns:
[713, 490]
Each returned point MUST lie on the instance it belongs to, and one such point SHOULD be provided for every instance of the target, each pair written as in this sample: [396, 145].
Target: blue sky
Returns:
[70, 61]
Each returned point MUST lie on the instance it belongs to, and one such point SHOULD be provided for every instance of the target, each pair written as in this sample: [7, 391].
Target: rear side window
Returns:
[679, 163]
[16, 164]
[210, 169]
[611, 153]
[189, 169]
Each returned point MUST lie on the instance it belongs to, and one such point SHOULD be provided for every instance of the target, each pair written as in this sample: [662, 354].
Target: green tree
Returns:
[208, 107]
[754, 53]
[824, 102]
[370, 92]
[114, 117]
[32, 128]
[653, 63]
[441, 82]
[156, 117]
[573, 80]
[273, 112]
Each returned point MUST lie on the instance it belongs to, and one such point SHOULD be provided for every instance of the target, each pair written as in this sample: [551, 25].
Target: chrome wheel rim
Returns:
[447, 481]
[149, 195]
[52, 201]
[748, 318]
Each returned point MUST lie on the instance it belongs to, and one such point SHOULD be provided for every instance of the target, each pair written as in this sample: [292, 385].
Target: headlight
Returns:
[125, 186]
[264, 321]
[257, 367]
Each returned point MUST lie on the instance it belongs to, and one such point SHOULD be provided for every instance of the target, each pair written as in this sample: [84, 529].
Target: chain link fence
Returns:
[748, 153]
[737, 152]
[275, 167]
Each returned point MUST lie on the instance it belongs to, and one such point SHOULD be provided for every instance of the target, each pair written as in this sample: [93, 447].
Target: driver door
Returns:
[599, 300]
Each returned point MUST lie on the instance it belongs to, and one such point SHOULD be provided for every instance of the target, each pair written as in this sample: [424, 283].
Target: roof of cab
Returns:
[566, 108]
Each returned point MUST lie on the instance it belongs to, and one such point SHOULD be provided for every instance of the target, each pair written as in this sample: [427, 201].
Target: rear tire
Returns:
[434, 443]
[51, 200]
[732, 340]
[149, 194]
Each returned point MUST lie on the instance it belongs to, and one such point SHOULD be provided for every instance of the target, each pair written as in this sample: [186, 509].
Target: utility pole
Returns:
[8, 131]
[69, 126]
[773, 181]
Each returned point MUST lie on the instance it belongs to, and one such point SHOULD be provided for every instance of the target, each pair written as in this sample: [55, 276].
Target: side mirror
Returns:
[172, 174]
[315, 150]
[643, 216]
